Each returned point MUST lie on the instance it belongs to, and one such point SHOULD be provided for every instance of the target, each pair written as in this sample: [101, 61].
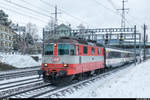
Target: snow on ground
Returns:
[19, 61]
[132, 82]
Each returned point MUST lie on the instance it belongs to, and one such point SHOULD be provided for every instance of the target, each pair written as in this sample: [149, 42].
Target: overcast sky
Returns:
[91, 13]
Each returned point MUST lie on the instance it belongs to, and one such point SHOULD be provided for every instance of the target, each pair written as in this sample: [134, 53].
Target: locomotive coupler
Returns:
[61, 73]
[53, 75]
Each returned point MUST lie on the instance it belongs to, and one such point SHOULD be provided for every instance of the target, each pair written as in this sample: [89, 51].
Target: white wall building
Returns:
[6, 39]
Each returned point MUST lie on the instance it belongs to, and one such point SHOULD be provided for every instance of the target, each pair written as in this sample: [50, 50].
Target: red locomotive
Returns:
[66, 59]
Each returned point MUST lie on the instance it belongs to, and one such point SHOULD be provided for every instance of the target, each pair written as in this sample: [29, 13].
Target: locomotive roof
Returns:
[73, 40]
[85, 42]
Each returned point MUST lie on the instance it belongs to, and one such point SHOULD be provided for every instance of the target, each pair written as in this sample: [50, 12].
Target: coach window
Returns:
[110, 54]
[85, 50]
[72, 49]
[131, 55]
[93, 51]
[118, 55]
[49, 48]
[115, 55]
[99, 51]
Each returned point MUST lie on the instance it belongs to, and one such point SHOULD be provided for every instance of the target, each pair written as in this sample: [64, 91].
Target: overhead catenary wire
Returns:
[41, 8]
[112, 4]
[39, 26]
[133, 18]
[109, 9]
[29, 9]
[67, 13]
[22, 14]
[48, 15]
[115, 8]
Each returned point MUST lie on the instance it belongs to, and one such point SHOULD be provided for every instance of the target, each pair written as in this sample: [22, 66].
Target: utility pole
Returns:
[123, 20]
[145, 28]
[56, 20]
[123, 14]
[56, 16]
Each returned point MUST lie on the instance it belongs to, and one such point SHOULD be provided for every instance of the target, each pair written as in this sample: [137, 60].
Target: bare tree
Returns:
[29, 38]
[32, 30]
[81, 26]
[50, 26]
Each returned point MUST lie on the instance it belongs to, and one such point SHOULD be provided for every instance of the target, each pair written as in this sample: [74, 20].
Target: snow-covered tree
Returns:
[29, 39]
[4, 19]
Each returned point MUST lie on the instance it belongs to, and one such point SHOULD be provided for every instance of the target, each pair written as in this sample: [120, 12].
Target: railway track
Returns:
[50, 91]
[35, 92]
[11, 87]
[61, 92]
[19, 70]
[19, 73]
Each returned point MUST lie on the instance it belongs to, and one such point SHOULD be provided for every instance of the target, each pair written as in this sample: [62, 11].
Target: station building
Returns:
[62, 30]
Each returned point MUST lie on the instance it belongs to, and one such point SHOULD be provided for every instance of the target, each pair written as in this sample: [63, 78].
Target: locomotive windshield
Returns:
[48, 49]
[63, 49]
[66, 49]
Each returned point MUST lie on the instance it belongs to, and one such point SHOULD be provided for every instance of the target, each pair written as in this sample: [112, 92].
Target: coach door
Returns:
[80, 59]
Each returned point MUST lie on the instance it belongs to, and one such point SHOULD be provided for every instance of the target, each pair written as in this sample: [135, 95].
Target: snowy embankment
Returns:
[19, 61]
[132, 82]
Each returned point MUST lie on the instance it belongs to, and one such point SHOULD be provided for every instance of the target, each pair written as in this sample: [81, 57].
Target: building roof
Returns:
[63, 25]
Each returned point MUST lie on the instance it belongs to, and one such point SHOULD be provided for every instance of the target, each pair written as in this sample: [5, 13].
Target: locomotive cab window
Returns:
[72, 49]
[66, 49]
[63, 49]
[48, 49]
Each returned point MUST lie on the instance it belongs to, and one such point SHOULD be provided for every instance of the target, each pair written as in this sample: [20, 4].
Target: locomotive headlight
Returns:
[45, 65]
[65, 65]
[55, 44]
